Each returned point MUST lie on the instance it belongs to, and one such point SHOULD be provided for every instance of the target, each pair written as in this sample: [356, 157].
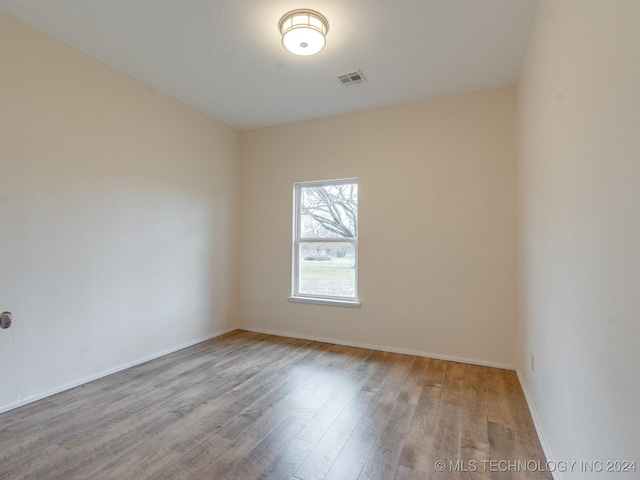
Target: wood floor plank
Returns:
[287, 459]
[255, 406]
[230, 414]
[344, 387]
[254, 427]
[321, 458]
[526, 441]
[417, 450]
[447, 441]
[383, 459]
[270, 433]
[474, 447]
[501, 440]
[356, 451]
[42, 459]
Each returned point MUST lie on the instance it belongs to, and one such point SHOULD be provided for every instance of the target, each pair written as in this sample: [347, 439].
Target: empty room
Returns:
[368, 239]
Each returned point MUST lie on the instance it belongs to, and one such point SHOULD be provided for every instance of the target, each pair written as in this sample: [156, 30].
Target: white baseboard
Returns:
[69, 386]
[381, 348]
[536, 421]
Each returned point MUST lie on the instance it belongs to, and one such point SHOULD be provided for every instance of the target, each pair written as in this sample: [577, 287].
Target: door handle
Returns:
[6, 319]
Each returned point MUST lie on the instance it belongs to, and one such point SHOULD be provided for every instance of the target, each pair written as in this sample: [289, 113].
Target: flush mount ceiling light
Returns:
[303, 32]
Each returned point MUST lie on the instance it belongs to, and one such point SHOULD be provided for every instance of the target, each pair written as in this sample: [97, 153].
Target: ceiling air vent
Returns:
[350, 78]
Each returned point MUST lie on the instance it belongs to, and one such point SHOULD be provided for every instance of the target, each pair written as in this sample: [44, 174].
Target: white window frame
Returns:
[296, 296]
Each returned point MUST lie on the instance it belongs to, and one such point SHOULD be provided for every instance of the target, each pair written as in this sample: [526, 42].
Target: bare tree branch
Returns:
[332, 208]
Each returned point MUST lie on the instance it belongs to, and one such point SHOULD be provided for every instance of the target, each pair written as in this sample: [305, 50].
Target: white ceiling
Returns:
[224, 57]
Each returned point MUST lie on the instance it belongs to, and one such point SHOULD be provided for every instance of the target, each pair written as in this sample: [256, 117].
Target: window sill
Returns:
[326, 301]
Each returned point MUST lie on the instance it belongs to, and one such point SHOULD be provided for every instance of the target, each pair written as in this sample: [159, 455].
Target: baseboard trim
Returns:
[69, 386]
[381, 348]
[536, 422]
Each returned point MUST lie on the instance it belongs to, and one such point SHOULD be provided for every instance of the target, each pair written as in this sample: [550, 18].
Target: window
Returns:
[325, 242]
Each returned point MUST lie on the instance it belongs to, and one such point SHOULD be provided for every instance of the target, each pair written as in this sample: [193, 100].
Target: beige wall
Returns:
[118, 210]
[437, 226]
[579, 229]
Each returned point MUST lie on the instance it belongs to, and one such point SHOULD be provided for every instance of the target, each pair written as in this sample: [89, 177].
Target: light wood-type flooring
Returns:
[254, 406]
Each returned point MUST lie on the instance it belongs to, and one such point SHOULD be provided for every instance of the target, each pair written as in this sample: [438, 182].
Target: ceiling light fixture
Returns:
[303, 32]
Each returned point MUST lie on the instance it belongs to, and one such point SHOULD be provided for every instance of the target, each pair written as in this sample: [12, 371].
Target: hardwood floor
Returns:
[253, 406]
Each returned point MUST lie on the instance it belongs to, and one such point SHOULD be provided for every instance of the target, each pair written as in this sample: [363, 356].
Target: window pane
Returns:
[329, 211]
[328, 269]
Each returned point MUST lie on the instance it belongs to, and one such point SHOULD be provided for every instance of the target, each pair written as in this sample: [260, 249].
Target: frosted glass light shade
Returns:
[303, 32]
